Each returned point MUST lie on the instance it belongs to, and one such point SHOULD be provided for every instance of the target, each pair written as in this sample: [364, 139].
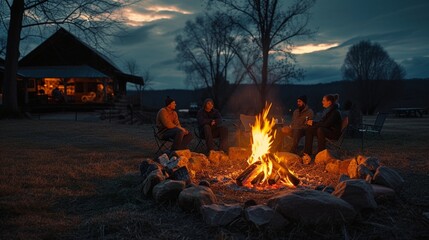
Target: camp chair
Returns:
[244, 129]
[201, 144]
[337, 144]
[162, 144]
[374, 129]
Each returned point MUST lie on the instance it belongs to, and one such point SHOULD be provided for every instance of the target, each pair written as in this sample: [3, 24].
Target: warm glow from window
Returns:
[309, 48]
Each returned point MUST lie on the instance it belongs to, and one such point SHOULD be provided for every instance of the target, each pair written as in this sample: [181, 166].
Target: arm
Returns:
[332, 119]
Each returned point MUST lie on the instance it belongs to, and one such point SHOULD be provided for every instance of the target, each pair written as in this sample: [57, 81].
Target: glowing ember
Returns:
[265, 168]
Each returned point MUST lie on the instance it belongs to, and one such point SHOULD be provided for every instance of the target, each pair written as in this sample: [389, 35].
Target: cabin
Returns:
[64, 69]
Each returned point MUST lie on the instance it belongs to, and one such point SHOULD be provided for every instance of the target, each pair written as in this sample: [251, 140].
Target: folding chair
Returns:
[201, 140]
[375, 128]
[245, 129]
[337, 144]
[163, 144]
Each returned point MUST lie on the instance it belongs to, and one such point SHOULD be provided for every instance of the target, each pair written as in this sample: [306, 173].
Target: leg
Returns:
[322, 134]
[297, 134]
[208, 136]
[176, 134]
[187, 138]
[309, 133]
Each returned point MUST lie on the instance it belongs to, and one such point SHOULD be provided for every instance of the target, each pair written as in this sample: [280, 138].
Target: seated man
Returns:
[296, 129]
[210, 126]
[167, 122]
[329, 126]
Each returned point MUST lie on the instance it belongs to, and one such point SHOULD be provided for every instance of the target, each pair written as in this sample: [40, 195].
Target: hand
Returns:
[310, 122]
[213, 122]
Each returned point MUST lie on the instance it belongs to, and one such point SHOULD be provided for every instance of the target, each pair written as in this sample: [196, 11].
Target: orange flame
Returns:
[262, 157]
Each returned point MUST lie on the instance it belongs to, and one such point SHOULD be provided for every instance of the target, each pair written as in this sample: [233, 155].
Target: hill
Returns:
[245, 98]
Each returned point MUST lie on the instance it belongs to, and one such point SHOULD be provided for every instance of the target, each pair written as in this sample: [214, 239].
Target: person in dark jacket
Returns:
[329, 126]
[210, 126]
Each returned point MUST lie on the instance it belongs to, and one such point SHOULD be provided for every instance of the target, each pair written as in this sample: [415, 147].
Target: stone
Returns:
[372, 163]
[167, 190]
[333, 166]
[358, 193]
[363, 172]
[344, 166]
[197, 162]
[388, 177]
[220, 215]
[155, 177]
[239, 154]
[328, 189]
[343, 178]
[352, 169]
[382, 193]
[259, 214]
[204, 183]
[182, 153]
[289, 158]
[323, 157]
[144, 165]
[217, 157]
[181, 174]
[163, 159]
[310, 207]
[192, 198]
[182, 161]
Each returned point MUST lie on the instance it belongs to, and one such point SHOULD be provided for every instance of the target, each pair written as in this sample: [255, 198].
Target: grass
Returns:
[80, 180]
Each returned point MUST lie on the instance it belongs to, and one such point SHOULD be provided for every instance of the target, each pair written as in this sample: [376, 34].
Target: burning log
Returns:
[274, 178]
[283, 170]
[247, 173]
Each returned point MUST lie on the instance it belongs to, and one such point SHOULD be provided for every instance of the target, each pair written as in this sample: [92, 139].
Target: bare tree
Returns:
[134, 69]
[377, 76]
[271, 27]
[206, 53]
[95, 20]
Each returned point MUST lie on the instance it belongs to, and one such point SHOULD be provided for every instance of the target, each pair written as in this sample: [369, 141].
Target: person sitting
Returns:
[351, 111]
[168, 124]
[329, 126]
[210, 126]
[298, 125]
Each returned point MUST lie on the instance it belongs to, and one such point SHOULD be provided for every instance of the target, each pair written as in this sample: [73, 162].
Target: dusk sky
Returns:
[400, 27]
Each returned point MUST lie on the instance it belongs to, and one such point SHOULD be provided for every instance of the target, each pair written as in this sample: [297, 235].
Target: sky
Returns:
[400, 27]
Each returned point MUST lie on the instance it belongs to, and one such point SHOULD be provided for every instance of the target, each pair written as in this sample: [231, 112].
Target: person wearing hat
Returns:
[298, 125]
[168, 124]
[210, 126]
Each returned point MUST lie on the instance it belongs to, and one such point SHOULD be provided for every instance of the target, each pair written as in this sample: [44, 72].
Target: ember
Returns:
[265, 168]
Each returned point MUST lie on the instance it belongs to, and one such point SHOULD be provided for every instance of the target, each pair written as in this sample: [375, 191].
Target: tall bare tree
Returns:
[377, 76]
[206, 53]
[272, 26]
[95, 20]
[134, 69]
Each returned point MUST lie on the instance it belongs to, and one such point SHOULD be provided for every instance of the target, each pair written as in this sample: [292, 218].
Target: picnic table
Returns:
[409, 112]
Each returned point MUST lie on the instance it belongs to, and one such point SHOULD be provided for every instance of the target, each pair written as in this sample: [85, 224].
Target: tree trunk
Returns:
[10, 97]
[264, 77]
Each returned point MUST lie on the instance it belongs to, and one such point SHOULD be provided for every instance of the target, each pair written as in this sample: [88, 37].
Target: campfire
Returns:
[266, 169]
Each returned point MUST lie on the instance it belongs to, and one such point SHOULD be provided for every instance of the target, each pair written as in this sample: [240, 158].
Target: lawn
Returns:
[65, 179]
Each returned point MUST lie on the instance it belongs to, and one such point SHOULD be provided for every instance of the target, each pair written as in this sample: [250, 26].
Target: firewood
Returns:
[246, 173]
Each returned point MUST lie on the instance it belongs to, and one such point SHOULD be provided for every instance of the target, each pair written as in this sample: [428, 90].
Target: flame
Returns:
[264, 163]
